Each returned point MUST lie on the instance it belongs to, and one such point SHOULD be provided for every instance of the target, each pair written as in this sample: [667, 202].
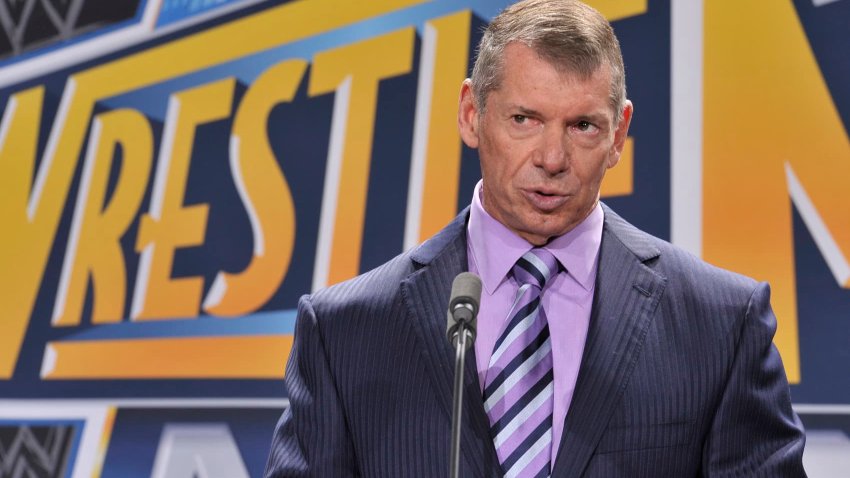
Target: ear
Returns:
[620, 135]
[467, 115]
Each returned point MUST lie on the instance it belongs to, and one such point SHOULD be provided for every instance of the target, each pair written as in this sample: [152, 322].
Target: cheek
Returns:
[593, 169]
[516, 169]
[507, 167]
[500, 183]
[496, 169]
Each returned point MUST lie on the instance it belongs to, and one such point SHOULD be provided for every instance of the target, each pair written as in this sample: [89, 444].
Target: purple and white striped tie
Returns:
[518, 388]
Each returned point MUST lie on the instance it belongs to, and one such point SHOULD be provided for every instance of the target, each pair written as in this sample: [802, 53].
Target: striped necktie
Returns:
[519, 383]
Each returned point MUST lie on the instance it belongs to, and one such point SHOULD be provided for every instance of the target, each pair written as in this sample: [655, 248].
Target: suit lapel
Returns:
[426, 295]
[627, 295]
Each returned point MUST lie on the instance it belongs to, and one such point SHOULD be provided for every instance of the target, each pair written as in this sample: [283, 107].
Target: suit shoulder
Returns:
[694, 273]
[379, 288]
[684, 271]
[714, 300]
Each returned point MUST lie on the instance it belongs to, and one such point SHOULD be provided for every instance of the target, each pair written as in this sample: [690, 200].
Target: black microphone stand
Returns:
[460, 359]
[460, 330]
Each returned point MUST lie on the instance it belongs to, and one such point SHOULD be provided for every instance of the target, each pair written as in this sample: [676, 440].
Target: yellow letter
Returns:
[169, 225]
[32, 214]
[264, 193]
[23, 246]
[353, 71]
[771, 129]
[435, 162]
[93, 244]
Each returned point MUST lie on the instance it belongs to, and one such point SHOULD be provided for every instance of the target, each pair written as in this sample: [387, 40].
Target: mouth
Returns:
[545, 200]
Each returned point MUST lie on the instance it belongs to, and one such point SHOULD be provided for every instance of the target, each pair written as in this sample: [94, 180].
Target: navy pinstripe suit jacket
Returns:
[679, 376]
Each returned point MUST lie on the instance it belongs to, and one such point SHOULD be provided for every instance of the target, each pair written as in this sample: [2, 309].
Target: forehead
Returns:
[530, 81]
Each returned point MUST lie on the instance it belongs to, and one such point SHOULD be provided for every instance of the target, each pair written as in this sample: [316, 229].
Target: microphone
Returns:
[460, 330]
[463, 307]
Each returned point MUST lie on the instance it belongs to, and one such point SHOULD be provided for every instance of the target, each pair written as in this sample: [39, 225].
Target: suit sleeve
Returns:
[311, 439]
[755, 432]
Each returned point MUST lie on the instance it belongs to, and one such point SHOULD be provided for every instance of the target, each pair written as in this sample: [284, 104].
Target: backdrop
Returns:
[174, 174]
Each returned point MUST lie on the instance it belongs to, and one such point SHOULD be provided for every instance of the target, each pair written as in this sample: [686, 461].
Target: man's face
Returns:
[545, 140]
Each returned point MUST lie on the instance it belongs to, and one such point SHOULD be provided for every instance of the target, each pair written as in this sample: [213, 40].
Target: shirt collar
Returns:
[495, 248]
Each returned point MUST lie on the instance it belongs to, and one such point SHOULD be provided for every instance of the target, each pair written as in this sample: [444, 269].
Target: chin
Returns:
[541, 235]
[550, 232]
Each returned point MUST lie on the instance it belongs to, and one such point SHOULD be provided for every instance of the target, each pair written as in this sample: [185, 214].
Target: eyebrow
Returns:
[595, 118]
[528, 111]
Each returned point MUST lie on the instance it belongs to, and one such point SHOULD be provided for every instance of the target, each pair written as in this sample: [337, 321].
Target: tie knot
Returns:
[536, 267]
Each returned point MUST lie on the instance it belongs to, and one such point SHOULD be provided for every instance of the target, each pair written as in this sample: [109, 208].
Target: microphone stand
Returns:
[460, 330]
[457, 402]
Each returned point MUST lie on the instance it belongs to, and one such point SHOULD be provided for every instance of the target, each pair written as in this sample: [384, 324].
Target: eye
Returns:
[586, 127]
[523, 125]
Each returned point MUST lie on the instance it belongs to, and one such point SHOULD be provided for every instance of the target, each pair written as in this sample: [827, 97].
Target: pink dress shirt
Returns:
[492, 250]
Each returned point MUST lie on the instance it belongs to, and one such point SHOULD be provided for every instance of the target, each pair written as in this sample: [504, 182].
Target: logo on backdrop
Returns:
[174, 201]
[175, 179]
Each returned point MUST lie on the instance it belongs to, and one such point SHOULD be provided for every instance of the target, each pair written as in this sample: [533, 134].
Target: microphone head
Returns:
[463, 306]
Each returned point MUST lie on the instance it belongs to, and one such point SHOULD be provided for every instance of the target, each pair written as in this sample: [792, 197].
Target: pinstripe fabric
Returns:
[678, 378]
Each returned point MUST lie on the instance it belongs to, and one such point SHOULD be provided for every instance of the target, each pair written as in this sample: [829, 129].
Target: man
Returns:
[601, 350]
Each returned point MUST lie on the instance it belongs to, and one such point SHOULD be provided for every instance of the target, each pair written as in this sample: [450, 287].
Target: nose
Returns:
[553, 154]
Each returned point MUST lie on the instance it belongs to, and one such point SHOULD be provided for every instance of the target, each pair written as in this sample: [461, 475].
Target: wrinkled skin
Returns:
[545, 140]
